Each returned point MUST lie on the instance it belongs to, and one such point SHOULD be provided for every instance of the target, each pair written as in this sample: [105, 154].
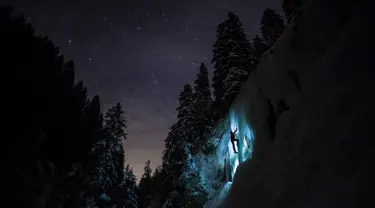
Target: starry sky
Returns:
[139, 53]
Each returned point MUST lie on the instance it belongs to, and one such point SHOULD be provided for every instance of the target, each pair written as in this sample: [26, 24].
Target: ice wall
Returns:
[227, 159]
[218, 170]
[309, 111]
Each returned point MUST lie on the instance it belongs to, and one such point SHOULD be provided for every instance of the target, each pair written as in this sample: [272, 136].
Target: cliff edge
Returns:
[311, 106]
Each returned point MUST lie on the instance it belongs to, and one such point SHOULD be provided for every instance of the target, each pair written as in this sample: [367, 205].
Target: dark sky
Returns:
[139, 52]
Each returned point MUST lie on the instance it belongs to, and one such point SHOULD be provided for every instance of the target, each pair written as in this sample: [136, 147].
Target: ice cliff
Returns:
[306, 116]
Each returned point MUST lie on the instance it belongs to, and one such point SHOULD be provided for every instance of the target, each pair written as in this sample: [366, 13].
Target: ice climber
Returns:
[233, 139]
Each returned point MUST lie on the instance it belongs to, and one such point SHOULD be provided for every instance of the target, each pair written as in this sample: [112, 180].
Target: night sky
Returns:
[139, 52]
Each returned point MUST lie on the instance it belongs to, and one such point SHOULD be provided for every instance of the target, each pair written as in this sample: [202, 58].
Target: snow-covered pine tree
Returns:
[105, 174]
[185, 115]
[109, 172]
[202, 105]
[233, 62]
[184, 132]
[169, 143]
[172, 161]
[128, 189]
[191, 189]
[115, 122]
[115, 125]
[178, 143]
[271, 26]
[145, 187]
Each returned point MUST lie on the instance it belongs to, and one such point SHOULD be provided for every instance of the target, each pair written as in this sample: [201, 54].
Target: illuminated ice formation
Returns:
[245, 137]
[225, 159]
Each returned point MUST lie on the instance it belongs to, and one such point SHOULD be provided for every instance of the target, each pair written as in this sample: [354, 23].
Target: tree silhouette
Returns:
[115, 121]
[272, 26]
[50, 153]
[145, 187]
[233, 61]
[201, 106]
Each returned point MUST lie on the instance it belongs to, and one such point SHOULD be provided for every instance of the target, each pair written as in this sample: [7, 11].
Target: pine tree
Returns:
[178, 144]
[105, 175]
[115, 121]
[232, 56]
[193, 192]
[94, 119]
[272, 26]
[145, 187]
[57, 128]
[131, 200]
[115, 124]
[202, 105]
[109, 172]
[126, 192]
[185, 115]
[259, 48]
[173, 153]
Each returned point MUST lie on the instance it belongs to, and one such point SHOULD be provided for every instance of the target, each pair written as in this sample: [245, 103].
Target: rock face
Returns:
[311, 107]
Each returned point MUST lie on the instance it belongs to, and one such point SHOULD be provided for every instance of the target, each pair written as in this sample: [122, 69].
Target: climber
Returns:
[233, 139]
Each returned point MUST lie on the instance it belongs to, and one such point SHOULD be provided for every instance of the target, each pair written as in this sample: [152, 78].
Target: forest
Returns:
[66, 152]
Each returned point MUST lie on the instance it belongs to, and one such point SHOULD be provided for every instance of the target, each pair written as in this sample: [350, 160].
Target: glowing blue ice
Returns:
[245, 137]
[218, 172]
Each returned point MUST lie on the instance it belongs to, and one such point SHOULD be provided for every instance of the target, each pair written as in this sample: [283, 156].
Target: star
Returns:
[162, 14]
[178, 5]
[69, 41]
[205, 58]
[186, 28]
[155, 81]
[196, 39]
[105, 18]
[89, 59]
[139, 28]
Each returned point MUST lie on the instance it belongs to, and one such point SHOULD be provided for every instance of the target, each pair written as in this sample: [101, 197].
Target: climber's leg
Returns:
[234, 147]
